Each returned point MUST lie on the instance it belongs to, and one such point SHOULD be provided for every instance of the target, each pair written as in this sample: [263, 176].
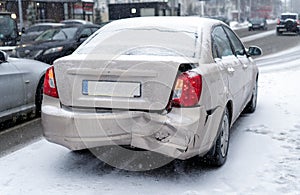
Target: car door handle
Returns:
[245, 66]
[230, 70]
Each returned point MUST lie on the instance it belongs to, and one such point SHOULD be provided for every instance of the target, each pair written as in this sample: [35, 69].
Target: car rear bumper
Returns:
[181, 133]
[283, 28]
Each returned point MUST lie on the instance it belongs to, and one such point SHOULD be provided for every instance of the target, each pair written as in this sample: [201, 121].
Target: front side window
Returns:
[57, 34]
[237, 45]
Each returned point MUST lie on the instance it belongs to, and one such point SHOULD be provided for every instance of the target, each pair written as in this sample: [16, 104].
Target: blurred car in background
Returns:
[9, 34]
[288, 22]
[257, 24]
[221, 18]
[55, 42]
[21, 86]
[35, 30]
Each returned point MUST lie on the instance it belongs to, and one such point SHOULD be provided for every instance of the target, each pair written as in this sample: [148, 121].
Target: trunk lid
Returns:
[126, 82]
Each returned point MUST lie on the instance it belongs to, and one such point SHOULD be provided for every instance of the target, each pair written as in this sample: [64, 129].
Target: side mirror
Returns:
[254, 51]
[3, 56]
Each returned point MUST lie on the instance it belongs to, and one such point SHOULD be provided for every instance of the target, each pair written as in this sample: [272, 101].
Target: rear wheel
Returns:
[218, 154]
[278, 33]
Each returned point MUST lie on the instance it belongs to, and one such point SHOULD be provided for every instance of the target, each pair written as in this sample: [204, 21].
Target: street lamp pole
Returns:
[20, 14]
[239, 10]
[250, 8]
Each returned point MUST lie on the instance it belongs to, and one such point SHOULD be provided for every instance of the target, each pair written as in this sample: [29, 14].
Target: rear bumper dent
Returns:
[182, 133]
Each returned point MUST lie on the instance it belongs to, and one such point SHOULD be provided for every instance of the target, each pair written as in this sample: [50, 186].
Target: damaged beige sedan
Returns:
[171, 85]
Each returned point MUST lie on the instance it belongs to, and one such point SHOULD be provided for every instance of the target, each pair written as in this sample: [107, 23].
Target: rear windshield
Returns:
[256, 20]
[291, 16]
[150, 41]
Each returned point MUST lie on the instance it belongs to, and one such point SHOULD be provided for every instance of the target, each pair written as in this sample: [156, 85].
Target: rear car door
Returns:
[230, 66]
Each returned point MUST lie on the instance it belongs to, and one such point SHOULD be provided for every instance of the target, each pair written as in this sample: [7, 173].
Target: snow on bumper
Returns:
[182, 133]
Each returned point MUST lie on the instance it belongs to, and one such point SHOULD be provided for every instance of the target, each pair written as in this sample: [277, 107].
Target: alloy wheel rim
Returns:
[224, 135]
[254, 99]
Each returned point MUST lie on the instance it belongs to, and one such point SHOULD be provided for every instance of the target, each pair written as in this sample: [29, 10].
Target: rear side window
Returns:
[220, 43]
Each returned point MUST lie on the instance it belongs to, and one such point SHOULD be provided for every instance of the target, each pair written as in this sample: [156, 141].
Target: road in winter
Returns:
[264, 153]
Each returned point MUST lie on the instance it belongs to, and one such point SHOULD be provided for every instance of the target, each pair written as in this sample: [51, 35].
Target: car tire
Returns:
[39, 97]
[278, 33]
[218, 154]
[251, 106]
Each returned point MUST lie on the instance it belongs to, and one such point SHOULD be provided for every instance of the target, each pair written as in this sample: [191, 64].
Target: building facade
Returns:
[97, 11]
[51, 10]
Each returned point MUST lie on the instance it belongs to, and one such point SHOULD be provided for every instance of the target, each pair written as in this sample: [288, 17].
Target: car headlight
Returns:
[262, 24]
[249, 24]
[53, 50]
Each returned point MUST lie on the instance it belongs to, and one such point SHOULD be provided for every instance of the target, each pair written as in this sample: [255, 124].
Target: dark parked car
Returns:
[257, 24]
[9, 34]
[35, 30]
[56, 42]
[288, 22]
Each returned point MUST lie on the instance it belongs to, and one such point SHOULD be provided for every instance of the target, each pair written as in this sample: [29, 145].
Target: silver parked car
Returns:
[21, 84]
[172, 85]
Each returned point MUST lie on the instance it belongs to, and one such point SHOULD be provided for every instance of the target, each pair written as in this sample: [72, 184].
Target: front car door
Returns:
[246, 64]
[230, 66]
[12, 88]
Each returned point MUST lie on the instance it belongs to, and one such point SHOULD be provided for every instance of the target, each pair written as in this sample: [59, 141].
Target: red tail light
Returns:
[278, 21]
[187, 90]
[50, 83]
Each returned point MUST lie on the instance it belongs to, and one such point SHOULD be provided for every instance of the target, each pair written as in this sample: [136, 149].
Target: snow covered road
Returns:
[264, 154]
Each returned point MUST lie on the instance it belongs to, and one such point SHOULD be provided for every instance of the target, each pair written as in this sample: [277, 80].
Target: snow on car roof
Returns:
[289, 13]
[188, 24]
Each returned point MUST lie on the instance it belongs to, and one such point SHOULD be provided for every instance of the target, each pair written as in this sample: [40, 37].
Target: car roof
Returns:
[289, 13]
[75, 21]
[47, 24]
[5, 13]
[80, 25]
[178, 23]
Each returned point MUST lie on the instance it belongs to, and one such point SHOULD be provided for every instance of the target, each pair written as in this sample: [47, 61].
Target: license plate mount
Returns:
[111, 88]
